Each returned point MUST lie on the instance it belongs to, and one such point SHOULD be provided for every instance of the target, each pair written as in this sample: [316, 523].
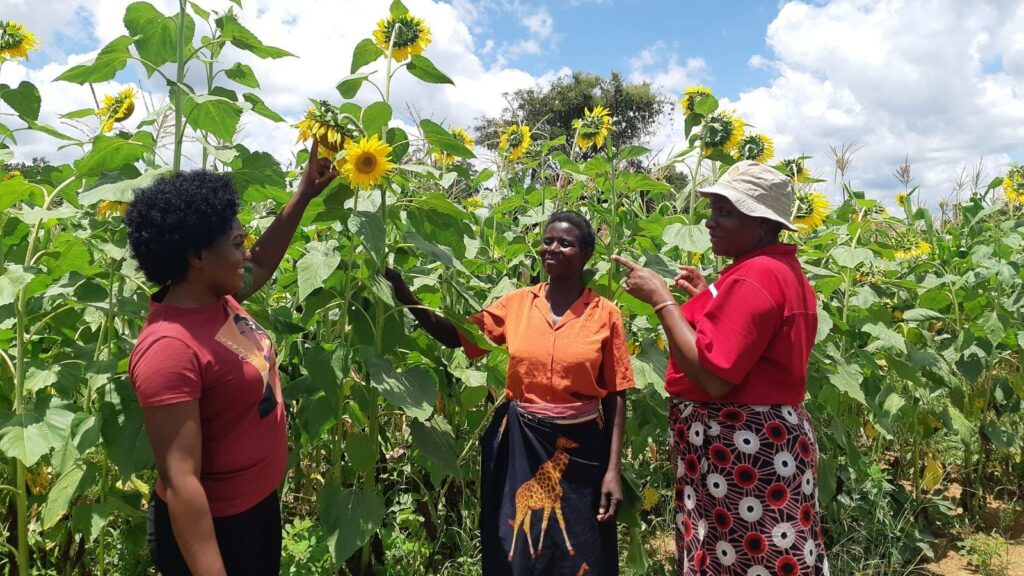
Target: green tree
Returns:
[551, 110]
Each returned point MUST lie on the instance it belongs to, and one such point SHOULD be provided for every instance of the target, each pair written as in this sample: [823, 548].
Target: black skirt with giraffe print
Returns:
[539, 492]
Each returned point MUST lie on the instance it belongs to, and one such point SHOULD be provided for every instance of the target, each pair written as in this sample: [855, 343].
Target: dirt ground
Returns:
[956, 565]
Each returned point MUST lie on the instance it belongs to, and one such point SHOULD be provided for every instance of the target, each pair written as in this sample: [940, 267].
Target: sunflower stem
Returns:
[180, 78]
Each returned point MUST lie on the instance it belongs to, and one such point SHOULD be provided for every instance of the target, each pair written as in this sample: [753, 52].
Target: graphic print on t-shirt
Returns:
[252, 344]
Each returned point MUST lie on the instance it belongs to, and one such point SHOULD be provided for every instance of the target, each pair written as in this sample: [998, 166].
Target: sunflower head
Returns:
[870, 212]
[411, 34]
[328, 126]
[473, 203]
[367, 161]
[756, 147]
[810, 209]
[1013, 184]
[910, 245]
[250, 240]
[794, 167]
[515, 141]
[12, 174]
[444, 159]
[691, 95]
[593, 128]
[107, 209]
[721, 130]
[116, 108]
[16, 41]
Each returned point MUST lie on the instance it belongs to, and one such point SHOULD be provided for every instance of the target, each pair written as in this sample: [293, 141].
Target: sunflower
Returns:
[691, 95]
[867, 212]
[250, 240]
[12, 174]
[473, 203]
[116, 108]
[593, 128]
[366, 161]
[107, 209]
[515, 141]
[913, 250]
[444, 159]
[794, 167]
[809, 211]
[328, 125]
[16, 41]
[1013, 184]
[411, 37]
[721, 130]
[756, 147]
[901, 197]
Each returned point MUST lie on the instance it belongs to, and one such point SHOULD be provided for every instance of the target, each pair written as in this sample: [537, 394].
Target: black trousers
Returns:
[250, 541]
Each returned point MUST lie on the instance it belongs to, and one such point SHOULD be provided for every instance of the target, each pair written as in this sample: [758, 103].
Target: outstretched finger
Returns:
[313, 149]
[686, 287]
[627, 264]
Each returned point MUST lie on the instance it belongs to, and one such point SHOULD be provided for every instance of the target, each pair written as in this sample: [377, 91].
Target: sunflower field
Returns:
[916, 382]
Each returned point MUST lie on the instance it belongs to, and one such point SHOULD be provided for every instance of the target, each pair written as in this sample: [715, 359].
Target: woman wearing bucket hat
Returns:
[746, 483]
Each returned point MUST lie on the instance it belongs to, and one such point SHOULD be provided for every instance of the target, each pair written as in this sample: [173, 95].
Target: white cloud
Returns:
[539, 23]
[917, 78]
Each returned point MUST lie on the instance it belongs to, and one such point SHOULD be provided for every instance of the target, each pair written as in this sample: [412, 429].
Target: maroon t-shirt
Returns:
[218, 355]
[755, 329]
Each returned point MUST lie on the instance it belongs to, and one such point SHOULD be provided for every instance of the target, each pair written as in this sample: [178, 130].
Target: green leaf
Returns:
[49, 130]
[851, 257]
[37, 379]
[441, 139]
[398, 9]
[123, 191]
[687, 237]
[435, 440]
[24, 99]
[260, 107]
[705, 105]
[1002, 438]
[992, 326]
[58, 500]
[370, 228]
[156, 35]
[956, 422]
[14, 190]
[921, 315]
[366, 51]
[375, 117]
[350, 85]
[258, 176]
[199, 11]
[214, 114]
[242, 74]
[25, 438]
[412, 391]
[847, 378]
[349, 518]
[361, 451]
[79, 114]
[631, 152]
[233, 32]
[885, 339]
[422, 68]
[321, 259]
[399, 142]
[13, 279]
[122, 429]
[110, 60]
[111, 153]
[36, 215]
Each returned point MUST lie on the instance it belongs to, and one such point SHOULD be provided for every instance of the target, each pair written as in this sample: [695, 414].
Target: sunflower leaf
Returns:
[110, 60]
[705, 105]
[260, 107]
[156, 35]
[350, 85]
[376, 116]
[422, 68]
[321, 259]
[349, 518]
[24, 99]
[399, 142]
[232, 31]
[242, 74]
[398, 9]
[441, 139]
[111, 154]
[365, 53]
[214, 114]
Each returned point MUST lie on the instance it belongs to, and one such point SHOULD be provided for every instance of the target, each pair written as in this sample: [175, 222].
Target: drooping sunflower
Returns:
[691, 95]
[794, 167]
[16, 41]
[367, 161]
[444, 159]
[593, 128]
[756, 147]
[810, 209]
[1013, 184]
[412, 36]
[107, 209]
[913, 249]
[721, 130]
[116, 108]
[515, 141]
[328, 125]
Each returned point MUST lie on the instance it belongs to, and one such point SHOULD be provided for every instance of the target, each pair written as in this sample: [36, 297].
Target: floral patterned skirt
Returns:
[746, 490]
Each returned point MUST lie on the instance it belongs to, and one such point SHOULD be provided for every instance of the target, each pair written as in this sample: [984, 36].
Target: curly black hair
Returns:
[579, 222]
[178, 216]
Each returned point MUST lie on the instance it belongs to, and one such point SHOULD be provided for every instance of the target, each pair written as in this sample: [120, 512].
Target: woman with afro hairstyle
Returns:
[205, 374]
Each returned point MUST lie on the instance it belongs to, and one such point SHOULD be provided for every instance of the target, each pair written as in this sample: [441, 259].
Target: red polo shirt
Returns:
[755, 329]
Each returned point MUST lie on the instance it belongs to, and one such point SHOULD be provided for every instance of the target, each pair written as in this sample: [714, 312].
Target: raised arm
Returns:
[647, 286]
[439, 327]
[271, 246]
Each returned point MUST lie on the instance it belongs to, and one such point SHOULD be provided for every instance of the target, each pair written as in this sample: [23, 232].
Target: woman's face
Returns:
[560, 251]
[733, 233]
[223, 262]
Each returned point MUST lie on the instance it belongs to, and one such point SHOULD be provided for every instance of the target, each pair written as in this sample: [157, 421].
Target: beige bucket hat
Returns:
[756, 190]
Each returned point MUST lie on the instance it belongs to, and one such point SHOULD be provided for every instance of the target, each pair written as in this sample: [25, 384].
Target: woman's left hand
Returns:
[643, 283]
[611, 496]
[318, 174]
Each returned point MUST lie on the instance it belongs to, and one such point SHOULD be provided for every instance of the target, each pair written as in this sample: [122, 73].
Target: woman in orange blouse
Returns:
[553, 449]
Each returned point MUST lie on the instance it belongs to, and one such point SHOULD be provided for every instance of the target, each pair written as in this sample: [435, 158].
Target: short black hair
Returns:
[178, 216]
[587, 239]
